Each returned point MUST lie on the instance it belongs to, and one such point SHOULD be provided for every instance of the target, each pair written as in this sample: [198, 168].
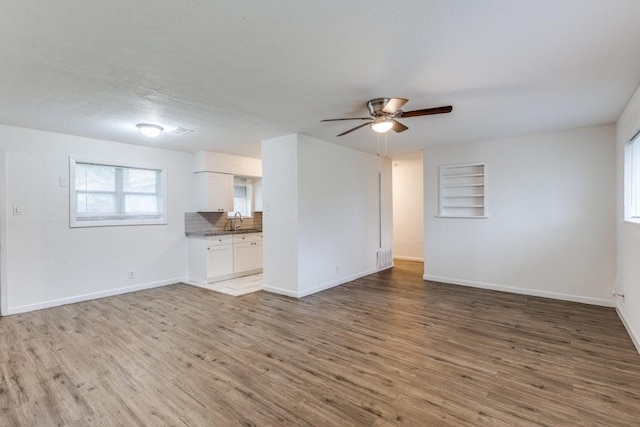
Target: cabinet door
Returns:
[222, 190]
[215, 192]
[243, 256]
[219, 260]
[258, 249]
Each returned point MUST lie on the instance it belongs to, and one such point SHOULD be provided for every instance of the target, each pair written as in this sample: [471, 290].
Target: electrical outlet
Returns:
[132, 275]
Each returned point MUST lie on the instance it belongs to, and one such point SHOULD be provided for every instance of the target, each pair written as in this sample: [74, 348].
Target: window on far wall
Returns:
[242, 195]
[632, 180]
[107, 194]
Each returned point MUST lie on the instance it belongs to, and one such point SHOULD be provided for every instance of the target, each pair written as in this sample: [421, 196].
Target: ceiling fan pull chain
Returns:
[385, 146]
[378, 144]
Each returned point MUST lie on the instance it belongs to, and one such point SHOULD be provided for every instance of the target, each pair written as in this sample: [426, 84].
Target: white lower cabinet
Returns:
[219, 260]
[247, 252]
[216, 258]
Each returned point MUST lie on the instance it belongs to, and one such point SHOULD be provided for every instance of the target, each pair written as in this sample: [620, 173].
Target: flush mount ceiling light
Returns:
[382, 126]
[149, 130]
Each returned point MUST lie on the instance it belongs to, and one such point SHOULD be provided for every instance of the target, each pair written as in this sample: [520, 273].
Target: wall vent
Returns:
[181, 131]
[385, 259]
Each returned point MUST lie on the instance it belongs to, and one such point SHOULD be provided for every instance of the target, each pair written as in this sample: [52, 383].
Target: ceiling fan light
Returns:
[149, 130]
[382, 126]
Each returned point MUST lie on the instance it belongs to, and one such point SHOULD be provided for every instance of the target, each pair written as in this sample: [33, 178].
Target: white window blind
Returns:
[242, 196]
[106, 194]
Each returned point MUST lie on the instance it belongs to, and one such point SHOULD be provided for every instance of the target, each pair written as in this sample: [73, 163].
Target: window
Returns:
[632, 180]
[242, 195]
[109, 194]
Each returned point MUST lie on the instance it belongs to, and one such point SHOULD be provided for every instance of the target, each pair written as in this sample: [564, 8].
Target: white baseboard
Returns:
[408, 258]
[523, 291]
[334, 283]
[316, 289]
[635, 337]
[279, 291]
[91, 296]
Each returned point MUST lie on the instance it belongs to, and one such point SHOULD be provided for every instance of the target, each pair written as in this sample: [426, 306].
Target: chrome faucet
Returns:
[235, 225]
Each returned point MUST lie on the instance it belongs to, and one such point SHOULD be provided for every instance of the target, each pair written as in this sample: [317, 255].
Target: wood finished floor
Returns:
[384, 350]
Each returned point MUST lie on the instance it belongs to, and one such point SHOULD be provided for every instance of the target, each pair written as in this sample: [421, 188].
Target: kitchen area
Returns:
[225, 231]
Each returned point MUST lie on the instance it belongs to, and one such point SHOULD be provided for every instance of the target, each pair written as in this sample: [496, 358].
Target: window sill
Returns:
[632, 221]
[115, 223]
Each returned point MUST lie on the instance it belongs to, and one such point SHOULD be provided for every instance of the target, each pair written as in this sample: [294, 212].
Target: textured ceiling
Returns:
[238, 71]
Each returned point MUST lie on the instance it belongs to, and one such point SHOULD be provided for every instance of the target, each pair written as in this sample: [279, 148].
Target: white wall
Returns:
[280, 214]
[338, 213]
[48, 263]
[551, 225]
[4, 306]
[335, 209]
[408, 207]
[628, 234]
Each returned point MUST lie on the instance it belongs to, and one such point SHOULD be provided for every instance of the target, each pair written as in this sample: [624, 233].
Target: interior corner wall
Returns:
[322, 211]
[628, 233]
[408, 207]
[550, 229]
[47, 262]
[280, 215]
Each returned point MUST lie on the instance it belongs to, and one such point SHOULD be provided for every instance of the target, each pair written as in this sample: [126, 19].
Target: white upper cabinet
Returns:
[215, 192]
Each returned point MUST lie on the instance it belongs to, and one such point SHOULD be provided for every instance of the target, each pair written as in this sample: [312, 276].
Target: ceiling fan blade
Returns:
[393, 105]
[355, 128]
[398, 127]
[350, 118]
[427, 111]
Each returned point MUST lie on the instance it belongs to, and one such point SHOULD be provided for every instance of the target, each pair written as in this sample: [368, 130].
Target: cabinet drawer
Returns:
[249, 237]
[219, 240]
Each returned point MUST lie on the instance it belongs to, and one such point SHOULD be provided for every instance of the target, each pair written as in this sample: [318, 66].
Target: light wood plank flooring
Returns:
[384, 350]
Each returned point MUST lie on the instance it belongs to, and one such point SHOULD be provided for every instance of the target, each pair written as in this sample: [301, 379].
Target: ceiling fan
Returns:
[384, 112]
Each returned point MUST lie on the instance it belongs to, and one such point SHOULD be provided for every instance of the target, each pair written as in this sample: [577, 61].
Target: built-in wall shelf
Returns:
[463, 191]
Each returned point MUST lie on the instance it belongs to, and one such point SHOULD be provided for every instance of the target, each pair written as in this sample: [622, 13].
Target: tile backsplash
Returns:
[203, 222]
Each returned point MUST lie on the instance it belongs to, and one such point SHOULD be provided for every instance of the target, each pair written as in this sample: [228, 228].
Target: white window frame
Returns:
[249, 186]
[632, 180]
[109, 221]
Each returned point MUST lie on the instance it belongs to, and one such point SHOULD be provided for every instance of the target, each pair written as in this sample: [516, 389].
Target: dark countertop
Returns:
[222, 232]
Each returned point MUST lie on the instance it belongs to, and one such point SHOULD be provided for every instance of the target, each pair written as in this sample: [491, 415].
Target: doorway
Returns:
[408, 207]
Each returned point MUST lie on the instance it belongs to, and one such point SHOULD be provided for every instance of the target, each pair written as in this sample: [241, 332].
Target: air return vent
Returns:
[385, 259]
[181, 131]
